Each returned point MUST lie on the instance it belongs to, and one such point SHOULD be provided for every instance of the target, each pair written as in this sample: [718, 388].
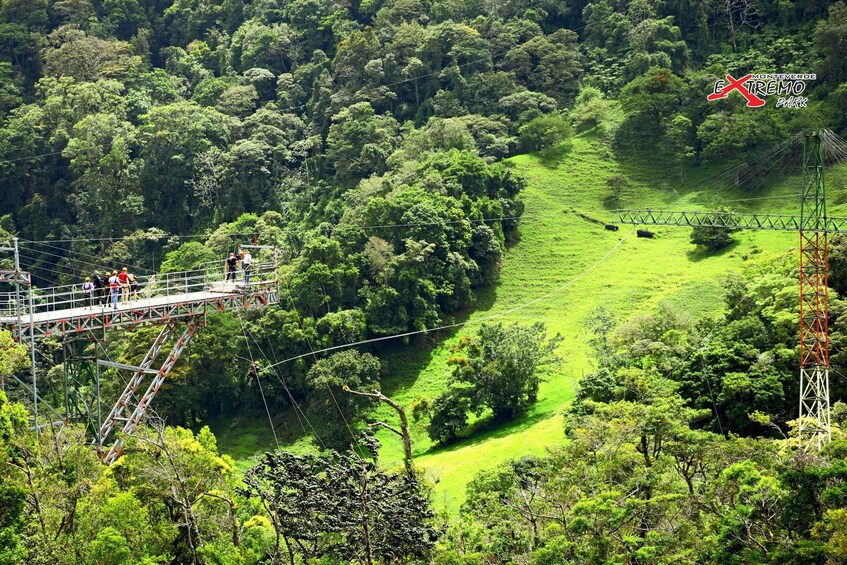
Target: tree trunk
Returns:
[731, 24]
[365, 525]
[404, 427]
[648, 491]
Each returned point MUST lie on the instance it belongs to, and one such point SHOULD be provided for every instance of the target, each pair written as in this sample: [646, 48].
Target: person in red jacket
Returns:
[123, 278]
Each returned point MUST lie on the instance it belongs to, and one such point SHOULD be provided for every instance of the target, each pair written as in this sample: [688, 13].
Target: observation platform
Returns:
[64, 310]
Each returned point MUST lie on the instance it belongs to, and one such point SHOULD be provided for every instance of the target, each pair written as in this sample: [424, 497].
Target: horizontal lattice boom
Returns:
[731, 220]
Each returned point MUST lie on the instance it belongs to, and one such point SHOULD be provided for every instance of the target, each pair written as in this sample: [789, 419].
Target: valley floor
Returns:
[556, 246]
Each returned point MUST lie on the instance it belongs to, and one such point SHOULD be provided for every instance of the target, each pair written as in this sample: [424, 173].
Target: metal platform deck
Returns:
[62, 311]
[177, 302]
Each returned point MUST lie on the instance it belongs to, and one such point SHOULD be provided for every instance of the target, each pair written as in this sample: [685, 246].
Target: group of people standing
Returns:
[109, 290]
[233, 262]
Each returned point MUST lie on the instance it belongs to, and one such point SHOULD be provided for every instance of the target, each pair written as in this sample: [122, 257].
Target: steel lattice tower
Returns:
[814, 424]
[814, 430]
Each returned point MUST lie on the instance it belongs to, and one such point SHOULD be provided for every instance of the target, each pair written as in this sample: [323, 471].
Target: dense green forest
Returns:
[379, 145]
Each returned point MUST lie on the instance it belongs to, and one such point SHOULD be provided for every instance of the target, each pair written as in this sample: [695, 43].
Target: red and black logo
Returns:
[756, 87]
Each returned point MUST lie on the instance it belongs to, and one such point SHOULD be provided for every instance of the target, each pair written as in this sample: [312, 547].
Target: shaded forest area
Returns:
[367, 140]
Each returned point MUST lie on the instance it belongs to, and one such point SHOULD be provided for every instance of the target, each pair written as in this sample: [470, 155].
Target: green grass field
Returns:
[555, 247]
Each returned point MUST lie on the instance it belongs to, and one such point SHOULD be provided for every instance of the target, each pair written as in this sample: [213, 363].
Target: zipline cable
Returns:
[784, 197]
[469, 322]
[28, 157]
[298, 411]
[73, 262]
[749, 163]
[123, 237]
[328, 387]
[255, 371]
[81, 253]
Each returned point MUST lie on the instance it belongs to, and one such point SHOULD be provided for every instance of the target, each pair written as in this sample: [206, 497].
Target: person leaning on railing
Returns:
[133, 285]
[150, 287]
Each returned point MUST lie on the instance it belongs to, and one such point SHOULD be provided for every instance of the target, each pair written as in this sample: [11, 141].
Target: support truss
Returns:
[729, 220]
[814, 420]
[169, 300]
[814, 430]
[80, 320]
[20, 277]
[82, 382]
[128, 398]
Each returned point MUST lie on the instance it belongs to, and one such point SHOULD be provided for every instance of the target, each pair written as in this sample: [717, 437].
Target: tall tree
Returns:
[338, 411]
[108, 200]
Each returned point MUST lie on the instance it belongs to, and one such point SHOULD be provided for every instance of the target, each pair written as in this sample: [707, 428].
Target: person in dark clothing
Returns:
[231, 267]
[99, 288]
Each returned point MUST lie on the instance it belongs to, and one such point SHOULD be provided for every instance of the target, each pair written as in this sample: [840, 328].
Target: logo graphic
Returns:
[753, 101]
[756, 87]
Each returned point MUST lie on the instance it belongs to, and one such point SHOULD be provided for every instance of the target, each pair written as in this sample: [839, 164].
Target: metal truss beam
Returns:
[21, 277]
[168, 300]
[814, 430]
[126, 366]
[116, 414]
[82, 383]
[100, 319]
[729, 220]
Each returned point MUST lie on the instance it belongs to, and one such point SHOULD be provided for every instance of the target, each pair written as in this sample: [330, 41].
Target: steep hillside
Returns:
[555, 247]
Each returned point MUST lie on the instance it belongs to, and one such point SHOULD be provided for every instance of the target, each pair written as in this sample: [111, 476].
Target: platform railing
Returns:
[208, 277]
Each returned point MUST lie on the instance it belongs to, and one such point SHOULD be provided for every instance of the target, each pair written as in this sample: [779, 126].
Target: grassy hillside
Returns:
[556, 246]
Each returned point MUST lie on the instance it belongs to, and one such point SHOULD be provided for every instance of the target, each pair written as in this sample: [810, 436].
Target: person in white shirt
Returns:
[88, 291]
[247, 264]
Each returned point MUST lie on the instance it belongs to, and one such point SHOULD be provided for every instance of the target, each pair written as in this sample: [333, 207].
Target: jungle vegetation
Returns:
[370, 142]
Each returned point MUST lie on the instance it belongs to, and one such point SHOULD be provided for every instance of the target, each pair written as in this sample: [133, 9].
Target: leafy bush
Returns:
[420, 408]
[591, 108]
[498, 369]
[187, 257]
[545, 132]
[329, 404]
[449, 417]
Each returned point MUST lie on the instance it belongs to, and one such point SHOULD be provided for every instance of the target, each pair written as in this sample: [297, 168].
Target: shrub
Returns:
[545, 132]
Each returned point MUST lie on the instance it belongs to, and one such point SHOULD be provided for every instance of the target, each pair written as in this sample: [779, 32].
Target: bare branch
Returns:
[404, 425]
[387, 427]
